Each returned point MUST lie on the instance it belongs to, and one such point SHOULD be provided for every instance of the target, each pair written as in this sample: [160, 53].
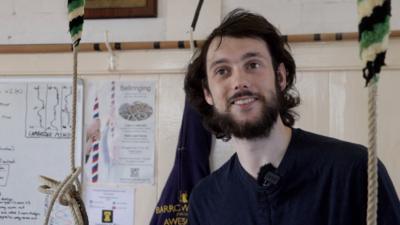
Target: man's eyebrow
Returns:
[219, 61]
[251, 55]
[244, 57]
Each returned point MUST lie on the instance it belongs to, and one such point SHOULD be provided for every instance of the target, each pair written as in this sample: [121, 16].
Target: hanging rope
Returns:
[67, 195]
[374, 29]
[372, 203]
[68, 191]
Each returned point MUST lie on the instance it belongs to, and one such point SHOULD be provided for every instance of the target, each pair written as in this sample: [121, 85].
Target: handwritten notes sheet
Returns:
[35, 136]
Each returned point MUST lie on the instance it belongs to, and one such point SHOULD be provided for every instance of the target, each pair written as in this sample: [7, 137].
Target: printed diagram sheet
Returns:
[35, 140]
[49, 111]
[120, 134]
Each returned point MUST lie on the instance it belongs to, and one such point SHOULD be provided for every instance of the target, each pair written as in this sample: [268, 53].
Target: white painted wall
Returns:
[45, 21]
[329, 73]
[329, 81]
[309, 16]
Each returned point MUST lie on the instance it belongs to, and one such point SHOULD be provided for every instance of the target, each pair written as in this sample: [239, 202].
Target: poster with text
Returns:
[120, 132]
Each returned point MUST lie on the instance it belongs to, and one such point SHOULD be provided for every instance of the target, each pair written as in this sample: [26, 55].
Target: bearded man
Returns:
[242, 82]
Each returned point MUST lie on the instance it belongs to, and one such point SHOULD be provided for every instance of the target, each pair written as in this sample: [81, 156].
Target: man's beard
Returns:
[249, 130]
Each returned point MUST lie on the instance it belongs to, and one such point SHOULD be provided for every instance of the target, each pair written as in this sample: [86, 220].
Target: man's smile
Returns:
[243, 100]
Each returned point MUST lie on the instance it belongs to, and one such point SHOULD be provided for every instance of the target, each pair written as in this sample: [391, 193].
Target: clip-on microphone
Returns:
[267, 177]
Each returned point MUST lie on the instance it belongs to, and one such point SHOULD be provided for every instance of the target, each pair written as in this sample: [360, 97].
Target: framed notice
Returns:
[103, 9]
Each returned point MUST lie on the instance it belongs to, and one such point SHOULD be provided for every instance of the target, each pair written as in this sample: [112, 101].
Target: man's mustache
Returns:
[242, 94]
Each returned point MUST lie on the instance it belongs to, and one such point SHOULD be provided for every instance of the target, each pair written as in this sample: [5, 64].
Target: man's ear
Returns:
[281, 76]
[208, 96]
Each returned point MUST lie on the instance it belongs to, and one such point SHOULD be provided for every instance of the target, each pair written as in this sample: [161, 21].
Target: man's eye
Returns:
[253, 65]
[221, 71]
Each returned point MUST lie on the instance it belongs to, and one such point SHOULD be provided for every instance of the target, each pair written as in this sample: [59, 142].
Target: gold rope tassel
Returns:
[372, 204]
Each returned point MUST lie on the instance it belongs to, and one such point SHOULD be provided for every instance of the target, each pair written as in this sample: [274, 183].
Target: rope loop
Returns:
[67, 194]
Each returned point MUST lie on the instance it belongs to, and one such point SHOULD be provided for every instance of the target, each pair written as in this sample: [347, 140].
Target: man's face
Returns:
[242, 86]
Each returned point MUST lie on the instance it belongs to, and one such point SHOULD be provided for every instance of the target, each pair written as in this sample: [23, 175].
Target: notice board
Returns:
[35, 132]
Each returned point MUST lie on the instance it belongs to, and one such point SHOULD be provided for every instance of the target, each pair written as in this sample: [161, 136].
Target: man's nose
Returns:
[240, 80]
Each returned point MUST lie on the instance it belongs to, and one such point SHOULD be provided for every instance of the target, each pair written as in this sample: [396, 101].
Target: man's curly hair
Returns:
[242, 24]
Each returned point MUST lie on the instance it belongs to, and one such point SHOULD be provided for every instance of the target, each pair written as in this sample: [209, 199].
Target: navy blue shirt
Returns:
[322, 181]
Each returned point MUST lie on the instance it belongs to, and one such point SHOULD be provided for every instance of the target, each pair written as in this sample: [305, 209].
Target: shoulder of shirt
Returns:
[212, 183]
[331, 149]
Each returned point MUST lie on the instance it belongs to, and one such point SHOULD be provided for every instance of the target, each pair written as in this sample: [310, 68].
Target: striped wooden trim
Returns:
[89, 47]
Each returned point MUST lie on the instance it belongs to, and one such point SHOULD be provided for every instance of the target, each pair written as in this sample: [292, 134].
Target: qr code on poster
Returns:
[135, 172]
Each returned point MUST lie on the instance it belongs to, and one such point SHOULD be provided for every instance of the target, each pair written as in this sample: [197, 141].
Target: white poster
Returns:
[109, 206]
[120, 134]
[35, 132]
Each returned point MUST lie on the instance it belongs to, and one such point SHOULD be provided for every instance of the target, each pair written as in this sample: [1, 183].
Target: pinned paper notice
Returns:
[109, 206]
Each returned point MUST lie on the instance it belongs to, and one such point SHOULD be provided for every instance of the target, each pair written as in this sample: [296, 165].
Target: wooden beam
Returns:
[117, 46]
